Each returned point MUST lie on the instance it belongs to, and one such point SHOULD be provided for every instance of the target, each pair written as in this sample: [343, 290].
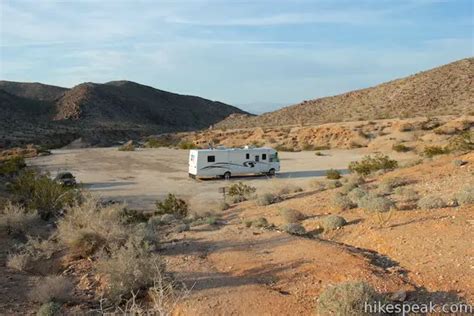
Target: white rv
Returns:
[227, 162]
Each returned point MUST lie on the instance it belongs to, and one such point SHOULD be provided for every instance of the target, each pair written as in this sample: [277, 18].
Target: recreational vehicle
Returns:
[227, 162]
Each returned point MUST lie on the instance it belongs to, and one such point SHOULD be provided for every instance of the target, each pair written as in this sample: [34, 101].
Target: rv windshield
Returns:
[274, 157]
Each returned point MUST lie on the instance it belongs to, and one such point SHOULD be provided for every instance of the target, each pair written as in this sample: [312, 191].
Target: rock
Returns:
[399, 296]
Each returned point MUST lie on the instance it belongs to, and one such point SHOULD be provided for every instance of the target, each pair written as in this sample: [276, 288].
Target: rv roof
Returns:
[233, 149]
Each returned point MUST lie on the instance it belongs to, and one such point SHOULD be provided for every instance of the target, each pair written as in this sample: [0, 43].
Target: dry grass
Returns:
[52, 289]
[14, 219]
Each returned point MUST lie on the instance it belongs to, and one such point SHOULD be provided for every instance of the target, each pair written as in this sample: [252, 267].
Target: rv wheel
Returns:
[271, 172]
[227, 175]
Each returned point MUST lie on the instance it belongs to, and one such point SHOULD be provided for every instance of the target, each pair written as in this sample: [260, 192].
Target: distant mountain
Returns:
[445, 90]
[34, 110]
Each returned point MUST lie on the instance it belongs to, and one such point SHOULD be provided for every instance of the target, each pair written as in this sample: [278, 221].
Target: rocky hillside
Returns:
[112, 111]
[446, 90]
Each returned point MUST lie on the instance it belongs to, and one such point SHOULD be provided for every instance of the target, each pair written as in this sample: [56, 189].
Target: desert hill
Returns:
[445, 90]
[44, 114]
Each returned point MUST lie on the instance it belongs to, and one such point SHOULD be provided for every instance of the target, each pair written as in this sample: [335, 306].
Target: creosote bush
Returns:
[342, 202]
[172, 205]
[401, 148]
[431, 151]
[12, 166]
[38, 192]
[240, 192]
[49, 309]
[267, 199]
[332, 222]
[347, 298]
[333, 174]
[373, 203]
[186, 145]
[431, 202]
[290, 215]
[370, 164]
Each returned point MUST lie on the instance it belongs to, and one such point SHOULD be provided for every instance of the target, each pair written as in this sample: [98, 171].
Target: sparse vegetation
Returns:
[291, 215]
[407, 194]
[267, 199]
[172, 205]
[376, 204]
[356, 195]
[128, 146]
[371, 164]
[342, 202]
[334, 184]
[332, 222]
[15, 220]
[49, 309]
[12, 166]
[401, 148]
[186, 145]
[347, 298]
[431, 202]
[240, 192]
[431, 151]
[52, 289]
[462, 142]
[333, 174]
[222, 206]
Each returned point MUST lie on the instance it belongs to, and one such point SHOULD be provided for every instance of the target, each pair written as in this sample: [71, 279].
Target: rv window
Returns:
[211, 158]
[247, 156]
[257, 158]
[264, 156]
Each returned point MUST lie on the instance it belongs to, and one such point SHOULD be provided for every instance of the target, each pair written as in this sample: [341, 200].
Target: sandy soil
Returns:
[141, 177]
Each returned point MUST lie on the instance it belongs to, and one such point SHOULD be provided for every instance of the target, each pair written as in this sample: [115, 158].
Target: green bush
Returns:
[370, 164]
[342, 202]
[462, 142]
[49, 309]
[38, 192]
[333, 174]
[466, 196]
[346, 299]
[401, 148]
[172, 205]
[12, 166]
[431, 202]
[431, 151]
[332, 222]
[240, 192]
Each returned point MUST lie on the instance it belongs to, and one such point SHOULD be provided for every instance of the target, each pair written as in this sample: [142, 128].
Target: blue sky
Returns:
[259, 54]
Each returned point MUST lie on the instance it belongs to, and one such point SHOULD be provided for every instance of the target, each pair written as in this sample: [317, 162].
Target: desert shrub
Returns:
[318, 185]
[128, 146]
[186, 145]
[342, 202]
[288, 189]
[466, 196]
[318, 153]
[356, 195]
[182, 228]
[373, 203]
[89, 226]
[431, 151]
[38, 192]
[14, 219]
[284, 148]
[430, 124]
[462, 142]
[370, 164]
[307, 147]
[407, 194]
[167, 219]
[52, 289]
[12, 166]
[49, 309]
[347, 298]
[267, 199]
[333, 174]
[240, 192]
[431, 202]
[354, 179]
[405, 127]
[222, 206]
[387, 185]
[333, 184]
[129, 267]
[401, 148]
[18, 261]
[294, 229]
[128, 216]
[172, 205]
[332, 222]
[348, 187]
[260, 222]
[290, 215]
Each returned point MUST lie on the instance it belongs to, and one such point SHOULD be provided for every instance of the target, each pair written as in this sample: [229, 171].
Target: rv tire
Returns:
[271, 172]
[227, 175]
